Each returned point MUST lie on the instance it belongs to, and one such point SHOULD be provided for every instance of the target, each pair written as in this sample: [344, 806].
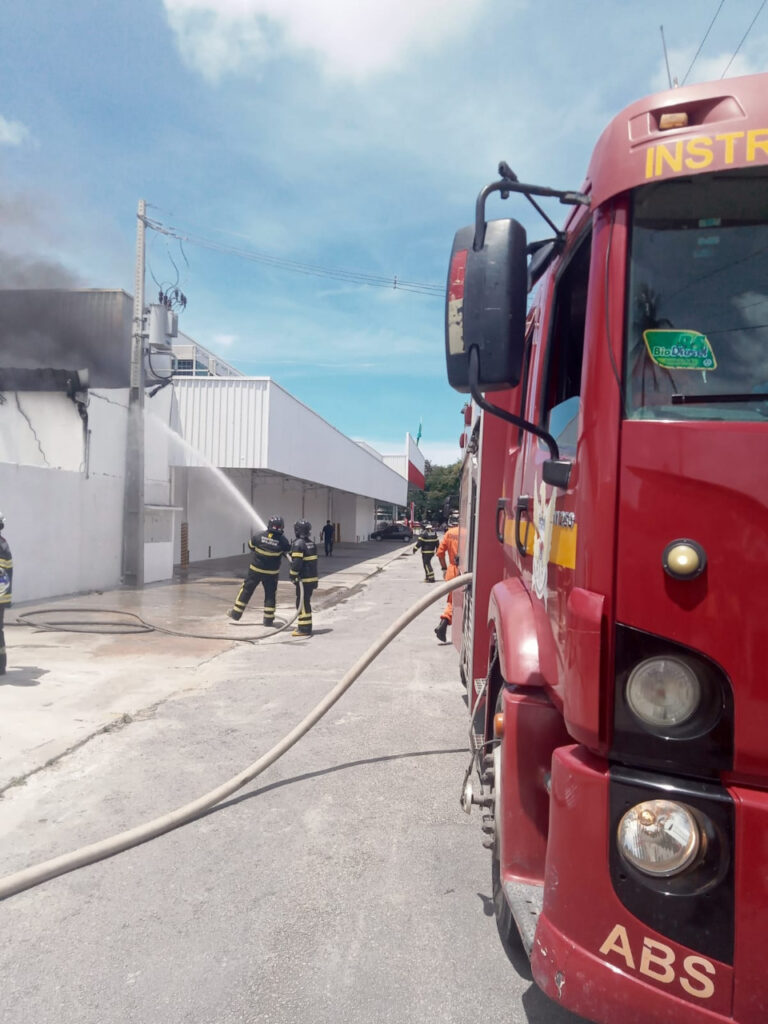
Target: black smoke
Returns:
[23, 272]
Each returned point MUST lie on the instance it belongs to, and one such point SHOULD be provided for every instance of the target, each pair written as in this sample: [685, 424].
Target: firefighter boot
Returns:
[440, 630]
[234, 615]
[3, 663]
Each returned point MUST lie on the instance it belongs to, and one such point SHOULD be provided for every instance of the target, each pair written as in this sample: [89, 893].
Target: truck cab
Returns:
[614, 513]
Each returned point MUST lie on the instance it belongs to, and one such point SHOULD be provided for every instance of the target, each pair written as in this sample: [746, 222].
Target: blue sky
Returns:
[342, 134]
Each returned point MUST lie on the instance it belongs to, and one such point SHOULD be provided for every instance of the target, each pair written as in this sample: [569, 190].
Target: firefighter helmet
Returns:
[276, 523]
[302, 528]
[2, 521]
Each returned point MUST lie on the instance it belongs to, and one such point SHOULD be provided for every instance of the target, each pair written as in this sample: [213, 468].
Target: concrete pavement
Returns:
[91, 663]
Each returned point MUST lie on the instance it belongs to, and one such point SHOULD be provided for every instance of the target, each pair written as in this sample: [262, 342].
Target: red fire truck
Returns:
[614, 514]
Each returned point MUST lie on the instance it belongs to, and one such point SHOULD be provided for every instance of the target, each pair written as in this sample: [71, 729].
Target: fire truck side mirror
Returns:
[557, 473]
[485, 306]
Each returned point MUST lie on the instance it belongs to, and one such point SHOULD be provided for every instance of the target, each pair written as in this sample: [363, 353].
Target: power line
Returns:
[751, 24]
[295, 266]
[696, 56]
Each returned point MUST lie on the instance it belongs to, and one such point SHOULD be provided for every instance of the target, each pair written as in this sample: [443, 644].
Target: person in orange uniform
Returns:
[448, 551]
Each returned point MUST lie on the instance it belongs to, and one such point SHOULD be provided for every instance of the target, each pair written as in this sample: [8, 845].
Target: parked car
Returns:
[393, 531]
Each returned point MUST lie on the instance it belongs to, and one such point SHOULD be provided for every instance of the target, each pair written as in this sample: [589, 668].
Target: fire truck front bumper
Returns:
[614, 945]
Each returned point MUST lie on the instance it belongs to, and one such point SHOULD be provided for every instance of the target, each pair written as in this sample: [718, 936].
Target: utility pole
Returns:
[133, 535]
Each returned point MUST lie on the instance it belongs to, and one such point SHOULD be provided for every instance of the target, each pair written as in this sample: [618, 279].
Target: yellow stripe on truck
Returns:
[563, 549]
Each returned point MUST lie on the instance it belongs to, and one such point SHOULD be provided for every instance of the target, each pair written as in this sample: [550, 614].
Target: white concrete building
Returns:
[410, 463]
[191, 359]
[280, 456]
[214, 451]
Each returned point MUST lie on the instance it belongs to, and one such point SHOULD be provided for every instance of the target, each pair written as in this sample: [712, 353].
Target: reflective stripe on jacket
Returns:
[6, 571]
[268, 548]
[428, 542]
[304, 560]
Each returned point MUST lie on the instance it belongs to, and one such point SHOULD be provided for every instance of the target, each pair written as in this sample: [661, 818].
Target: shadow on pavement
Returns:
[25, 676]
[345, 556]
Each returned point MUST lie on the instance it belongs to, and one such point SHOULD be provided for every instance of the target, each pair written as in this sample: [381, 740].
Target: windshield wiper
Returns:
[760, 396]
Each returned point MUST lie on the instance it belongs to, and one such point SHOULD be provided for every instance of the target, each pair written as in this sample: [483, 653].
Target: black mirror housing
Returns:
[557, 473]
[485, 307]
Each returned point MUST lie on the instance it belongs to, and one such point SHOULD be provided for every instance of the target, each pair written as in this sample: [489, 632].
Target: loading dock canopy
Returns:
[253, 423]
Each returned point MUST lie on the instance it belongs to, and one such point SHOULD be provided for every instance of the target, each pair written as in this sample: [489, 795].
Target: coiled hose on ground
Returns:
[139, 625]
[35, 875]
[134, 624]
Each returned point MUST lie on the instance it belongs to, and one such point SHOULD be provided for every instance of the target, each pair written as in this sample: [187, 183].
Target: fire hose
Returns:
[136, 624]
[35, 875]
[131, 623]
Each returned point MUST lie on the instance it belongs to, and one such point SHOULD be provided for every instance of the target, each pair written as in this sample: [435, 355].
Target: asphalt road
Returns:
[344, 885]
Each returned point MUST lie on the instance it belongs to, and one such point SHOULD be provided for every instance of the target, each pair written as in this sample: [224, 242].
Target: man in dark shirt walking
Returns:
[328, 532]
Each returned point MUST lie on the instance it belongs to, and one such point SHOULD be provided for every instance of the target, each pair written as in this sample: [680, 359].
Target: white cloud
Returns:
[704, 69]
[12, 133]
[439, 453]
[350, 38]
[224, 340]
[712, 68]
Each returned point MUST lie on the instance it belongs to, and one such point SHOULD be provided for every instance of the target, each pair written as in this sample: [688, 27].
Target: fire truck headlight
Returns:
[663, 692]
[659, 838]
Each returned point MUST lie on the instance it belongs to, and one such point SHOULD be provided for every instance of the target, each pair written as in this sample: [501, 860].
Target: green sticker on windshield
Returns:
[680, 350]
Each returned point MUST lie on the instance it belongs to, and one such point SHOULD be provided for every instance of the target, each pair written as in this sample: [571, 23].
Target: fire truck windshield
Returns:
[697, 300]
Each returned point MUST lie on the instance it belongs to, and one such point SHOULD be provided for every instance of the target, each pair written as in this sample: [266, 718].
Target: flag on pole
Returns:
[418, 435]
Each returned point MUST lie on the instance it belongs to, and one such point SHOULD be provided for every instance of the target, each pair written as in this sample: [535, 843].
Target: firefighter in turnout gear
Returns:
[448, 550]
[268, 549]
[428, 542]
[304, 569]
[6, 578]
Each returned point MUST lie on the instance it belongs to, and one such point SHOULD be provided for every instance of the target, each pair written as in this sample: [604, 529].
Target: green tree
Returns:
[441, 488]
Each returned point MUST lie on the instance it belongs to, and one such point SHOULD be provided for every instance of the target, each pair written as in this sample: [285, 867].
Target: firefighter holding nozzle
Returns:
[303, 572]
[268, 549]
[428, 542]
